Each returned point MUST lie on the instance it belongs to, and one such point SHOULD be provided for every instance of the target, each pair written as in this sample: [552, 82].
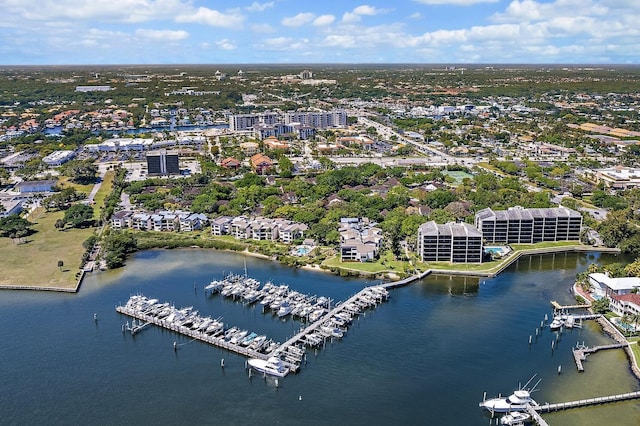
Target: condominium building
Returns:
[452, 242]
[318, 120]
[163, 162]
[519, 225]
[239, 122]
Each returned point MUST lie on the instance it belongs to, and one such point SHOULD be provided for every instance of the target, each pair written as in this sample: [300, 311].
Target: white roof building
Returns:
[605, 286]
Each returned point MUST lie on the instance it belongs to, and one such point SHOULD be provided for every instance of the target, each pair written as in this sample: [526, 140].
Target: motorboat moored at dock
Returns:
[517, 401]
[515, 418]
[272, 366]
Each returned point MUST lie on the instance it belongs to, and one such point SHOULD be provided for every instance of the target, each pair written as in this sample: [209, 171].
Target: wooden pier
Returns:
[536, 416]
[297, 338]
[580, 353]
[194, 334]
[547, 408]
[559, 307]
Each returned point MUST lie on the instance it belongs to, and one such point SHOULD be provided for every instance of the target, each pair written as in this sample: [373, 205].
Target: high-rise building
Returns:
[162, 163]
[520, 225]
[452, 242]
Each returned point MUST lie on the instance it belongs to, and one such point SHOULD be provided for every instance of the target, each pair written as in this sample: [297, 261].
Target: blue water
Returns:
[424, 357]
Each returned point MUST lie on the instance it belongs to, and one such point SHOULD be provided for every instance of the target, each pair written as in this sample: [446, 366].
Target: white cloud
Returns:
[259, 7]
[212, 18]
[455, 2]
[342, 40]
[365, 9]
[161, 35]
[350, 17]
[531, 10]
[416, 15]
[298, 20]
[324, 20]
[262, 28]
[130, 11]
[362, 10]
[225, 44]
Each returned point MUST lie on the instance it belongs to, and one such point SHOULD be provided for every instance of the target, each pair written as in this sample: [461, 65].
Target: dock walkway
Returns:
[559, 307]
[297, 338]
[536, 416]
[580, 353]
[194, 334]
[547, 408]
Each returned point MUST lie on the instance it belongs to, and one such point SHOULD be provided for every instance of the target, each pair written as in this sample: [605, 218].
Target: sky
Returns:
[60, 32]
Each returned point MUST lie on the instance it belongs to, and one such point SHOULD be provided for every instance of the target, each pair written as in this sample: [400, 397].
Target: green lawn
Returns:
[549, 244]
[65, 182]
[635, 348]
[35, 263]
[103, 192]
[385, 264]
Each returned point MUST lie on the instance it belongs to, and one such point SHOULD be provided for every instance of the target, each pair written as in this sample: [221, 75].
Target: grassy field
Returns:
[65, 182]
[35, 263]
[385, 264]
[103, 192]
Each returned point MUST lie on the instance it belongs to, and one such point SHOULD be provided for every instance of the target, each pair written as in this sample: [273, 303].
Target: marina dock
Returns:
[194, 334]
[298, 337]
[559, 307]
[580, 352]
[322, 321]
[547, 408]
[537, 418]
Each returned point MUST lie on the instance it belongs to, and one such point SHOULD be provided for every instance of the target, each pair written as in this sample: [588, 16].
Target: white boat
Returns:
[517, 401]
[237, 338]
[556, 323]
[514, 402]
[285, 309]
[330, 331]
[514, 418]
[214, 287]
[273, 366]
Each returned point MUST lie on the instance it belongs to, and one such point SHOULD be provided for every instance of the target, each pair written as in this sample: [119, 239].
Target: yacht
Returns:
[237, 338]
[514, 402]
[517, 401]
[285, 309]
[273, 366]
[514, 418]
[556, 323]
[214, 287]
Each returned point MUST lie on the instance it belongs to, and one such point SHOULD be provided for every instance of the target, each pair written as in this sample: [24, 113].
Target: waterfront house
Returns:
[221, 225]
[360, 240]
[625, 304]
[121, 219]
[141, 222]
[192, 221]
[291, 231]
[602, 285]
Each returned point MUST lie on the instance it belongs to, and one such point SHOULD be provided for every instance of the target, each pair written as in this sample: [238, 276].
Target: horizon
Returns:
[455, 32]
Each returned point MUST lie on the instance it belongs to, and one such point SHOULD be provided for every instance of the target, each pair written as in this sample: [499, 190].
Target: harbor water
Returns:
[426, 356]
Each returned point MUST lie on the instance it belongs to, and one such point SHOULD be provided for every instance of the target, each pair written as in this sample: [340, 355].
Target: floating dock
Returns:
[328, 323]
[580, 353]
[194, 334]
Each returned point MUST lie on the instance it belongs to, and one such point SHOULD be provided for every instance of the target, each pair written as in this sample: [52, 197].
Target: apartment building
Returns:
[520, 225]
[451, 242]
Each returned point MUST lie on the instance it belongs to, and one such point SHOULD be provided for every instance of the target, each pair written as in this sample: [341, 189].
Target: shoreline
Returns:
[386, 275]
